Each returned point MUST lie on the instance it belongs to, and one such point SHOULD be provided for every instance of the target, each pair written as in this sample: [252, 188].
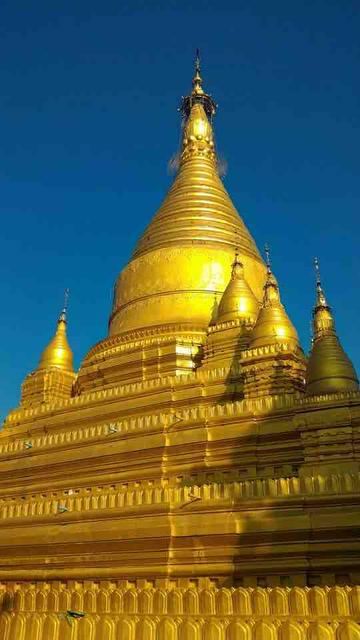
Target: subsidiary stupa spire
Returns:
[329, 368]
[323, 320]
[58, 353]
[273, 324]
[238, 300]
[52, 380]
[274, 363]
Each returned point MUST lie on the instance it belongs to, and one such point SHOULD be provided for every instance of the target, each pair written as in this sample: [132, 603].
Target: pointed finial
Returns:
[237, 267]
[323, 320]
[320, 298]
[198, 95]
[268, 261]
[197, 79]
[63, 314]
[317, 271]
[197, 61]
[237, 249]
[271, 289]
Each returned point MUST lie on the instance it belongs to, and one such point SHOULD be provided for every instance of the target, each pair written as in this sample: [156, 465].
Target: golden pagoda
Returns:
[198, 478]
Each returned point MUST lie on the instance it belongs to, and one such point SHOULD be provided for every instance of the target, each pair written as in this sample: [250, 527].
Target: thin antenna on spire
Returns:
[197, 61]
[63, 314]
[66, 299]
[197, 79]
[267, 254]
[237, 246]
[237, 266]
[321, 300]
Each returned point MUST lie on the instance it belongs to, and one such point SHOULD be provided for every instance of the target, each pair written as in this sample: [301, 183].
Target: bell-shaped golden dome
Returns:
[238, 300]
[329, 368]
[58, 353]
[184, 256]
[273, 324]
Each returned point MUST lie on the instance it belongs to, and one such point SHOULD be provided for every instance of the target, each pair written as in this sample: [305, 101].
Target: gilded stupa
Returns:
[198, 477]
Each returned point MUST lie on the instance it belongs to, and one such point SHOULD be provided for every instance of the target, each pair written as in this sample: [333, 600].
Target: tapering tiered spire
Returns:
[323, 320]
[58, 353]
[273, 324]
[53, 379]
[197, 208]
[329, 368]
[238, 300]
[184, 255]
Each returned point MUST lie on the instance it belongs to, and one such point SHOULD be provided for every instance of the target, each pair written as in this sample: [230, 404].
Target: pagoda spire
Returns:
[197, 79]
[273, 324]
[58, 353]
[274, 363]
[329, 368]
[238, 300]
[271, 287]
[320, 295]
[323, 320]
[195, 230]
[53, 379]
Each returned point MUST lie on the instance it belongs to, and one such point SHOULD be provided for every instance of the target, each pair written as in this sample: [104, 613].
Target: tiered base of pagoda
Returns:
[115, 502]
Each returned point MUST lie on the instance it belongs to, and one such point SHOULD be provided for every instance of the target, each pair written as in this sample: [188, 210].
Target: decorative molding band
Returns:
[197, 413]
[271, 349]
[60, 439]
[115, 612]
[147, 493]
[245, 323]
[121, 391]
[51, 626]
[144, 337]
[174, 383]
[330, 397]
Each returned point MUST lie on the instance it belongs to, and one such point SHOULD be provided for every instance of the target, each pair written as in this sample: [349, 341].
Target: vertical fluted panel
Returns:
[125, 630]
[17, 628]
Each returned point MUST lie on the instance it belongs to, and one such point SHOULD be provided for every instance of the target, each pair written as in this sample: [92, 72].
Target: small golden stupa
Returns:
[198, 477]
[329, 368]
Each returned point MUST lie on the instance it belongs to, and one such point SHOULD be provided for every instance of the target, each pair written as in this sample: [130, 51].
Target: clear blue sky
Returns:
[88, 122]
